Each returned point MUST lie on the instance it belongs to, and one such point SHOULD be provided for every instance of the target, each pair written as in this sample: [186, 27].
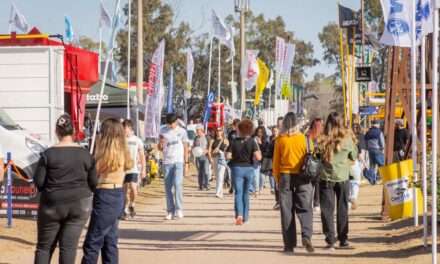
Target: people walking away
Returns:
[242, 151]
[217, 149]
[232, 134]
[357, 167]
[174, 145]
[200, 151]
[401, 139]
[65, 177]
[136, 148]
[295, 191]
[273, 184]
[338, 149]
[314, 132]
[375, 141]
[112, 161]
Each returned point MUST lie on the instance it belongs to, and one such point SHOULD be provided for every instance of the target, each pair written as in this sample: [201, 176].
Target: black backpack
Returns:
[312, 166]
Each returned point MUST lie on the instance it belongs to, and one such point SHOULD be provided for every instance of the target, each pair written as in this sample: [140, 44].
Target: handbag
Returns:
[311, 168]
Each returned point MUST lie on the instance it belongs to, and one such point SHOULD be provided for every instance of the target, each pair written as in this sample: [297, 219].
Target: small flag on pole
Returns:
[68, 29]
[104, 17]
[347, 17]
[189, 70]
[17, 20]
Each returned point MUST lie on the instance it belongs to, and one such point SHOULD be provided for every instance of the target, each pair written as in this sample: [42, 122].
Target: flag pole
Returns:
[423, 106]
[353, 65]
[128, 59]
[209, 74]
[342, 65]
[414, 113]
[219, 71]
[347, 92]
[434, 131]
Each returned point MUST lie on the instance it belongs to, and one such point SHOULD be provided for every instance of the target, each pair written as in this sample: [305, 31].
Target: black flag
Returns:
[348, 17]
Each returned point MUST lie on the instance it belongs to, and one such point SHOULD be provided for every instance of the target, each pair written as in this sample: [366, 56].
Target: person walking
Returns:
[136, 148]
[338, 149]
[200, 149]
[273, 184]
[314, 132]
[65, 177]
[375, 141]
[217, 149]
[232, 134]
[296, 192]
[174, 145]
[261, 139]
[113, 159]
[242, 151]
[357, 168]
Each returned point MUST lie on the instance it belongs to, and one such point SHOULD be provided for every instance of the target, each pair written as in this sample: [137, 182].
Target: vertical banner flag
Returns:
[170, 107]
[424, 18]
[17, 20]
[104, 17]
[263, 79]
[68, 29]
[208, 106]
[347, 17]
[279, 62]
[154, 97]
[251, 69]
[189, 70]
[286, 90]
[219, 29]
[115, 25]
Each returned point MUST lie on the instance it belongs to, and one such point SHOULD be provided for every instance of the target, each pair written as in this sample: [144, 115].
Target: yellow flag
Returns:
[263, 78]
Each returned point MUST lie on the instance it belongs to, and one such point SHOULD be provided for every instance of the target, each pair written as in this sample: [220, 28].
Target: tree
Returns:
[89, 44]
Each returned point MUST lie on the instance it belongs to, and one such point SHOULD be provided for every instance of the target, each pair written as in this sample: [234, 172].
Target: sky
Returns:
[305, 18]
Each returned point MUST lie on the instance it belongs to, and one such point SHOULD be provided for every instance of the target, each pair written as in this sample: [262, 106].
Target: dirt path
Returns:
[207, 235]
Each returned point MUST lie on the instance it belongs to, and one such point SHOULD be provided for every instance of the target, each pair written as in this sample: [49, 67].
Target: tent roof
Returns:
[114, 96]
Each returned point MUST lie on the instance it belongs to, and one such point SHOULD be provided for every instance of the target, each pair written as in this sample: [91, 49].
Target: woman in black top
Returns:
[65, 177]
[242, 151]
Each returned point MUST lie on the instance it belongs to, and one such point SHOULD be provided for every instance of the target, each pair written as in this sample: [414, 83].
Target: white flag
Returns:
[231, 44]
[280, 52]
[251, 67]
[288, 59]
[189, 69]
[424, 19]
[17, 20]
[104, 17]
[219, 29]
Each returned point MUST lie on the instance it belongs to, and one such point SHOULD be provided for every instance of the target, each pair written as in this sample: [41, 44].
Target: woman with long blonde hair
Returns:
[112, 161]
[338, 148]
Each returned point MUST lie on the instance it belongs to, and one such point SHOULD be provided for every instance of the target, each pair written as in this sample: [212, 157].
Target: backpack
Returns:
[312, 166]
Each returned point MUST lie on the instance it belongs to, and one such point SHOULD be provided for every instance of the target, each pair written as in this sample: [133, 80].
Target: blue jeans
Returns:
[102, 234]
[242, 178]
[174, 178]
[203, 172]
[377, 158]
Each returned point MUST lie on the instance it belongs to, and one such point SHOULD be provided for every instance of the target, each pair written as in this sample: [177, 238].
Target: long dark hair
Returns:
[261, 128]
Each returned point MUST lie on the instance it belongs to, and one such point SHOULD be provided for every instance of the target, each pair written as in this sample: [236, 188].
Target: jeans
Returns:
[295, 198]
[102, 235]
[242, 180]
[61, 223]
[377, 158]
[315, 193]
[258, 179]
[271, 181]
[220, 169]
[174, 178]
[328, 192]
[354, 190]
[203, 172]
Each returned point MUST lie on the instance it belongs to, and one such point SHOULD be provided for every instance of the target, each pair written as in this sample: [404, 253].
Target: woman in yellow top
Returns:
[295, 191]
[112, 160]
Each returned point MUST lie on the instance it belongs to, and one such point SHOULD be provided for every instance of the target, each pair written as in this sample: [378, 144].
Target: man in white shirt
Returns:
[136, 149]
[174, 145]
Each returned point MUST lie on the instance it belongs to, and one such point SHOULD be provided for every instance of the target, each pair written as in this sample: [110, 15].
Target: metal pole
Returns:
[209, 67]
[434, 132]
[128, 59]
[219, 72]
[423, 135]
[140, 65]
[414, 113]
[243, 54]
[363, 28]
[9, 188]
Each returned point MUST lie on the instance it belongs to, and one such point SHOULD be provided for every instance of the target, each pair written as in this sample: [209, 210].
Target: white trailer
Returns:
[32, 87]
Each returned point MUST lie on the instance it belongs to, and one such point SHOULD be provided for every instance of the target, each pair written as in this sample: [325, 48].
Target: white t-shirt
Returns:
[173, 150]
[135, 145]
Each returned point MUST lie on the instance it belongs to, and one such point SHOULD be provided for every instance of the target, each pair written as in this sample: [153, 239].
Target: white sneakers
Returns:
[171, 216]
[179, 214]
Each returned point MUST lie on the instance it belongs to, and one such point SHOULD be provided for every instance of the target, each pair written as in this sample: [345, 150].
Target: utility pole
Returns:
[242, 7]
[139, 66]
[363, 28]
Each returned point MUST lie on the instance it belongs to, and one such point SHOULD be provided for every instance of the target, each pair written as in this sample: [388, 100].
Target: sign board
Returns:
[25, 198]
[363, 74]
[368, 110]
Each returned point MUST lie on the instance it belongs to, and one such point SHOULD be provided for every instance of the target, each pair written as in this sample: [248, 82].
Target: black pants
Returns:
[61, 223]
[316, 201]
[328, 192]
[295, 198]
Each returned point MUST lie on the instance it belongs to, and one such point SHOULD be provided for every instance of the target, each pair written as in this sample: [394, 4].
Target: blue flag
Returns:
[209, 102]
[170, 108]
[69, 29]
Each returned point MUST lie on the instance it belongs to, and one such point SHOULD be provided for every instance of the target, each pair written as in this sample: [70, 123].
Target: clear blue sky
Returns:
[304, 17]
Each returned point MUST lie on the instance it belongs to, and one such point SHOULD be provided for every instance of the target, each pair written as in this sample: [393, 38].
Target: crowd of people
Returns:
[101, 188]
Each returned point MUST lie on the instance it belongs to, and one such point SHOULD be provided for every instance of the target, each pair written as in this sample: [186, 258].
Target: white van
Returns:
[24, 147]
